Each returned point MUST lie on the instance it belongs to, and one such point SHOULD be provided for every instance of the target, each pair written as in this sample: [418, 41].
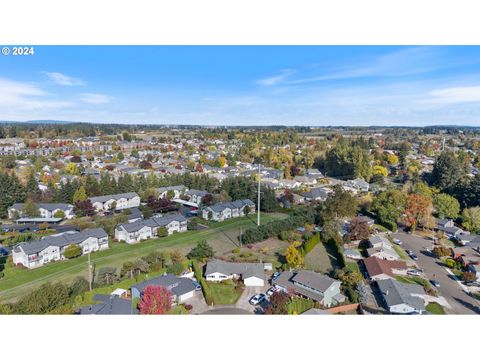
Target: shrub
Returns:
[162, 231]
[468, 276]
[309, 244]
[207, 292]
[72, 251]
[441, 251]
[338, 252]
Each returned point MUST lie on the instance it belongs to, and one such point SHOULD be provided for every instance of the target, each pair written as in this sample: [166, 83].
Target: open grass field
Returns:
[223, 237]
[320, 259]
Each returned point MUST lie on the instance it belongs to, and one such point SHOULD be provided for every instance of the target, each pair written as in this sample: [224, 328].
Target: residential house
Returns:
[466, 239]
[381, 248]
[133, 232]
[196, 196]
[358, 184]
[252, 274]
[121, 201]
[312, 285]
[178, 190]
[51, 248]
[109, 305]
[45, 210]
[181, 288]
[232, 209]
[380, 269]
[399, 298]
[317, 194]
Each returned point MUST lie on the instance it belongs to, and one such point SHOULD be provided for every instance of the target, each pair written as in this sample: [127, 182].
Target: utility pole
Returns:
[241, 237]
[258, 199]
[89, 273]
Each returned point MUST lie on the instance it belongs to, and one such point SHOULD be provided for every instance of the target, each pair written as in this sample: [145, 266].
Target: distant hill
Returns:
[37, 122]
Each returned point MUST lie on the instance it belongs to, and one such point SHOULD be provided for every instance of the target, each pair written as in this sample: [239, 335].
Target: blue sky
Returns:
[244, 85]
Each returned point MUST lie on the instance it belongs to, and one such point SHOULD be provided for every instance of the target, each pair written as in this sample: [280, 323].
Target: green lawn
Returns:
[320, 259]
[224, 293]
[400, 252]
[221, 236]
[435, 308]
[352, 265]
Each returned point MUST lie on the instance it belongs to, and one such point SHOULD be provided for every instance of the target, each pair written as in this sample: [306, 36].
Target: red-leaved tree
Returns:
[156, 300]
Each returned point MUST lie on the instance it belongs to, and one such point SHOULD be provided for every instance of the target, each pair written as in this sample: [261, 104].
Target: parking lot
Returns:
[460, 302]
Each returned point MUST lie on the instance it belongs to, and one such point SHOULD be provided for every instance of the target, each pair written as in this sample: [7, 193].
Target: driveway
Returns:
[198, 303]
[243, 301]
[460, 302]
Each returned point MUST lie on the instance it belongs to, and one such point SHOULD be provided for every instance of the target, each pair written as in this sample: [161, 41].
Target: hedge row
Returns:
[207, 292]
[273, 228]
[338, 252]
[310, 243]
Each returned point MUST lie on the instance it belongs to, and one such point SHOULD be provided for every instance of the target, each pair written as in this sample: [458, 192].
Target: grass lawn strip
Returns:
[18, 281]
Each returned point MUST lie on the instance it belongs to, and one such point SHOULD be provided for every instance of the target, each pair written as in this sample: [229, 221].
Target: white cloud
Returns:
[455, 95]
[18, 96]
[275, 80]
[92, 98]
[62, 79]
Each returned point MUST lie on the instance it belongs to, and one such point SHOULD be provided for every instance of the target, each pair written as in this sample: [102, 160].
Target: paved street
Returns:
[459, 300]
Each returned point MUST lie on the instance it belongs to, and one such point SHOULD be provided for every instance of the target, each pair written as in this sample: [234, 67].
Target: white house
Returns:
[45, 210]
[252, 274]
[223, 211]
[145, 229]
[178, 190]
[51, 248]
[399, 298]
[196, 196]
[381, 248]
[121, 201]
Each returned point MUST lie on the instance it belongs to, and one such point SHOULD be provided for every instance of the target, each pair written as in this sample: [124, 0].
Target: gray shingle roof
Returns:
[396, 293]
[59, 240]
[246, 270]
[238, 204]
[152, 222]
[46, 206]
[111, 305]
[176, 285]
[313, 280]
[102, 199]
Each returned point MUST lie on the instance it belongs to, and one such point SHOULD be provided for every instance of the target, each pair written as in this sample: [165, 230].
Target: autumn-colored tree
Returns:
[358, 229]
[293, 256]
[156, 300]
[418, 210]
[380, 170]
[392, 159]
[80, 195]
[278, 304]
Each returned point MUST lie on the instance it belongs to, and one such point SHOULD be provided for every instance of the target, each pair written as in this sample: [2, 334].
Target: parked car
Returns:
[398, 241]
[198, 287]
[257, 299]
[435, 283]
[272, 290]
[413, 272]
[276, 275]
[409, 252]
[472, 283]
[414, 257]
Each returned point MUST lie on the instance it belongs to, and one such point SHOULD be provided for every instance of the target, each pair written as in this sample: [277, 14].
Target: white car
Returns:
[257, 299]
[413, 272]
[272, 290]
[398, 241]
